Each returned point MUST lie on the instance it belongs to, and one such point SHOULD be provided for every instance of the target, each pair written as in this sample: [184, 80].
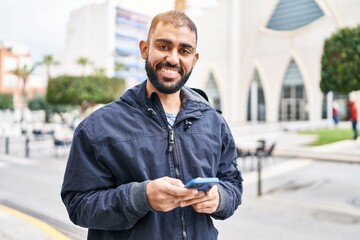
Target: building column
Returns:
[254, 102]
[329, 104]
[233, 88]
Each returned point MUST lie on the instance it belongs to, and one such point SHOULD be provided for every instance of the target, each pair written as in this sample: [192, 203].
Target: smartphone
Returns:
[202, 184]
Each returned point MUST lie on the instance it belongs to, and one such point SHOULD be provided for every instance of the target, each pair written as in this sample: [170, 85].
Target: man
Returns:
[130, 159]
[353, 117]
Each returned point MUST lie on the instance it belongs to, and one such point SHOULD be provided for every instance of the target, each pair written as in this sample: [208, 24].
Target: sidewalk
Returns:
[290, 144]
[301, 199]
[15, 225]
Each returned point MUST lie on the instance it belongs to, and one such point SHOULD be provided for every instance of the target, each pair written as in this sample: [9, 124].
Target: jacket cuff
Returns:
[138, 197]
[224, 203]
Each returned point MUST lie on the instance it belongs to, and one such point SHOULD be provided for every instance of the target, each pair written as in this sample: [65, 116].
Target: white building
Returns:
[266, 54]
[107, 35]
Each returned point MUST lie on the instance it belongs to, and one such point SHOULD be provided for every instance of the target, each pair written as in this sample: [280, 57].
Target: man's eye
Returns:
[163, 47]
[185, 51]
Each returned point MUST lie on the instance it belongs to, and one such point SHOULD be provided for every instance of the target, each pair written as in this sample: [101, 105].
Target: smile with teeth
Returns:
[169, 72]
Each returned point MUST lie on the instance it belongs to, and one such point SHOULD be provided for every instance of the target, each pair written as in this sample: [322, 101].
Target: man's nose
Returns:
[172, 57]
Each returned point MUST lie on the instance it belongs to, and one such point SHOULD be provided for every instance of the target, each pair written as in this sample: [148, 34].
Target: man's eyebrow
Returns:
[164, 40]
[187, 45]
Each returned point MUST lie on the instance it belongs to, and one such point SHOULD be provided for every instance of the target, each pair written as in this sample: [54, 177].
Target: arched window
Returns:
[293, 100]
[290, 15]
[212, 92]
[256, 101]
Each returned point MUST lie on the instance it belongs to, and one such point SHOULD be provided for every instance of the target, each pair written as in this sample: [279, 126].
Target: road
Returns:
[302, 199]
[33, 186]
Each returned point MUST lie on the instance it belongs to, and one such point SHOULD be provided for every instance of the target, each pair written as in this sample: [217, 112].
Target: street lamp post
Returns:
[180, 5]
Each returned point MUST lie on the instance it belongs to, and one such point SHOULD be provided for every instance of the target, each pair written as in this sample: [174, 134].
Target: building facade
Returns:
[107, 34]
[261, 60]
[15, 56]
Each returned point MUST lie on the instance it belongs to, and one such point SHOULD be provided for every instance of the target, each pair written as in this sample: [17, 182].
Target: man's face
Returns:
[170, 55]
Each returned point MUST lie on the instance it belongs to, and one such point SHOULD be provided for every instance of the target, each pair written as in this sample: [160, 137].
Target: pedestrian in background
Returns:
[129, 160]
[335, 113]
[353, 117]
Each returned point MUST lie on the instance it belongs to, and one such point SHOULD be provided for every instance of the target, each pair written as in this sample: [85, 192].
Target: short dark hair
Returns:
[175, 18]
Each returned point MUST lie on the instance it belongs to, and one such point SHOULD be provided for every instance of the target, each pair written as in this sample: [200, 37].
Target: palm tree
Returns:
[120, 67]
[48, 61]
[99, 72]
[83, 62]
[24, 72]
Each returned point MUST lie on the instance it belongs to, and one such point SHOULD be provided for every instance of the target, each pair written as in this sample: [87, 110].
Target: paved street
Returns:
[32, 186]
[301, 198]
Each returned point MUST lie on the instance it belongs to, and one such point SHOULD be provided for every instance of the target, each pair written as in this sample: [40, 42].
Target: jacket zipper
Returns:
[173, 152]
[172, 149]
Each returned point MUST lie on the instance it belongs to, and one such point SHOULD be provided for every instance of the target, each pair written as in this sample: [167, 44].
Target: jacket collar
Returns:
[193, 103]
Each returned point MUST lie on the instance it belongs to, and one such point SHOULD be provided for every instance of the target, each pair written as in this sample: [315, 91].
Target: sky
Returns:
[42, 24]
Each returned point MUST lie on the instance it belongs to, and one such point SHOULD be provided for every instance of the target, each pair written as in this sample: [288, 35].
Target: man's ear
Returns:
[144, 49]
[196, 57]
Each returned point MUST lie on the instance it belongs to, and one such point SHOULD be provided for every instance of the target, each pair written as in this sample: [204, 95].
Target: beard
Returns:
[159, 84]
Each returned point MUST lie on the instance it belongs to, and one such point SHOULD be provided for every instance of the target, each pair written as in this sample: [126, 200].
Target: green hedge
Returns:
[75, 90]
[6, 101]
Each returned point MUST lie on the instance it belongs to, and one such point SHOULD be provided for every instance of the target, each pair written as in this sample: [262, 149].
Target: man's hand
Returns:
[209, 203]
[165, 194]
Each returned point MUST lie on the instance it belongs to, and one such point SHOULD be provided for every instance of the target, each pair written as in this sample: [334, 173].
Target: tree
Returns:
[39, 103]
[99, 72]
[83, 62]
[24, 72]
[340, 62]
[6, 101]
[119, 67]
[83, 91]
[48, 61]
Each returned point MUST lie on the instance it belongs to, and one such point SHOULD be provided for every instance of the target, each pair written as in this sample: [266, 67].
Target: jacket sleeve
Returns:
[89, 192]
[230, 187]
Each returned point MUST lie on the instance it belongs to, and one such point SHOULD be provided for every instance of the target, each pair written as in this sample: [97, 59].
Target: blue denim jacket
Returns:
[123, 145]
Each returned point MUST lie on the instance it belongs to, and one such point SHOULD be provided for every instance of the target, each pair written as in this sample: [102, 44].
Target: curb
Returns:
[38, 224]
[306, 153]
